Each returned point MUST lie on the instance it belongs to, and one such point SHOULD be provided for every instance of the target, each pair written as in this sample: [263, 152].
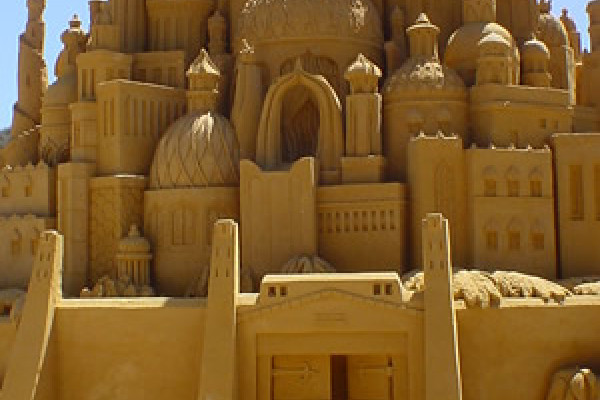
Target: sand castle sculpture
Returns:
[304, 200]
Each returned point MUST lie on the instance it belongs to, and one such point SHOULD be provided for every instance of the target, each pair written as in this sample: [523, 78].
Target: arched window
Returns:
[490, 179]
[514, 235]
[537, 236]
[512, 182]
[15, 244]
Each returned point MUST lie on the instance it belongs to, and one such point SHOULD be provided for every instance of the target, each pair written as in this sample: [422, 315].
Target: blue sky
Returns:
[58, 13]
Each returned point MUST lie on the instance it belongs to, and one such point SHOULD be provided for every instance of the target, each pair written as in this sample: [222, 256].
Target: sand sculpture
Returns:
[304, 200]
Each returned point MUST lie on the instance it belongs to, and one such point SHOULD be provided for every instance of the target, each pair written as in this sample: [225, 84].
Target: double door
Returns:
[335, 377]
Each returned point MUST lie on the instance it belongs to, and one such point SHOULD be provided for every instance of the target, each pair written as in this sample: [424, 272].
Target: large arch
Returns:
[330, 142]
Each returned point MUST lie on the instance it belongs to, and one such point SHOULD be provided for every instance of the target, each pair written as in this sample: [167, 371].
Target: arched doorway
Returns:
[301, 116]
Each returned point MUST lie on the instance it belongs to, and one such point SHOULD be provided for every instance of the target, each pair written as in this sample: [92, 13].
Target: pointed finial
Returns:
[75, 22]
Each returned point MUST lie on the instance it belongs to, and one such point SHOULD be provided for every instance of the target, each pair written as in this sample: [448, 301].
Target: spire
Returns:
[203, 77]
[74, 41]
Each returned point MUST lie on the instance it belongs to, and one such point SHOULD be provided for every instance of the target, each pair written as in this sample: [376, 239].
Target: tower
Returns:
[363, 162]
[219, 352]
[33, 75]
[203, 76]
[442, 364]
[593, 10]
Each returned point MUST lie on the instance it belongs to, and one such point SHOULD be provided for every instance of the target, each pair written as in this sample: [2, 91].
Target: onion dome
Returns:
[198, 150]
[493, 44]
[462, 47]
[552, 31]
[134, 243]
[534, 48]
[277, 20]
[424, 77]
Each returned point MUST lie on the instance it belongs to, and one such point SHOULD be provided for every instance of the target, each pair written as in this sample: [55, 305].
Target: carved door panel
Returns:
[301, 378]
[370, 377]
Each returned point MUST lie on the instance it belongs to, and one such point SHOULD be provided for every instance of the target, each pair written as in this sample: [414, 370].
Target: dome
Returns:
[274, 20]
[535, 48]
[134, 243]
[552, 31]
[198, 150]
[419, 75]
[62, 92]
[462, 47]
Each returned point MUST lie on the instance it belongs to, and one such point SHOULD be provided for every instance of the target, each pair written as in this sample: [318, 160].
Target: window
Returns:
[491, 238]
[283, 291]
[576, 192]
[376, 290]
[513, 187]
[543, 123]
[389, 289]
[272, 291]
[535, 187]
[489, 188]
[514, 240]
[5, 191]
[537, 240]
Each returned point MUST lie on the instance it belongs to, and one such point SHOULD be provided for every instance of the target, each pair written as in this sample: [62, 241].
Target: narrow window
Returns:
[514, 240]
[537, 240]
[491, 238]
[512, 188]
[535, 187]
[576, 192]
[377, 290]
[490, 188]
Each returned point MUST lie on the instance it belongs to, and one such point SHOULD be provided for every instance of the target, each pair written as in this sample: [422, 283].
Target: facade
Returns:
[304, 200]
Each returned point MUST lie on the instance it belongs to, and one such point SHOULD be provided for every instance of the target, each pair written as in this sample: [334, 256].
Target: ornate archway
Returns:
[330, 137]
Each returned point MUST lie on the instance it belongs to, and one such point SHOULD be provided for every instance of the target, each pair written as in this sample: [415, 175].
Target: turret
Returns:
[363, 161]
[133, 258]
[493, 64]
[536, 60]
[423, 37]
[593, 10]
[203, 77]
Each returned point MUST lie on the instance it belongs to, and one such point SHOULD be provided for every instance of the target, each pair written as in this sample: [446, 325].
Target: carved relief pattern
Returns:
[103, 232]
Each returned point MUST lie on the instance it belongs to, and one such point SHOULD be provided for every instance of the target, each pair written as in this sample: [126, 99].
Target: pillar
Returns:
[218, 377]
[442, 364]
[73, 215]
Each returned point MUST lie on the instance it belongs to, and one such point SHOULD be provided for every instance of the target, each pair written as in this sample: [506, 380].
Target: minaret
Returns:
[33, 75]
[442, 363]
[218, 380]
[217, 48]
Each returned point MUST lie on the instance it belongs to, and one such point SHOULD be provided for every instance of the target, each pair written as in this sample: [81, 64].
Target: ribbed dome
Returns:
[421, 76]
[552, 31]
[198, 150]
[273, 20]
[62, 92]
